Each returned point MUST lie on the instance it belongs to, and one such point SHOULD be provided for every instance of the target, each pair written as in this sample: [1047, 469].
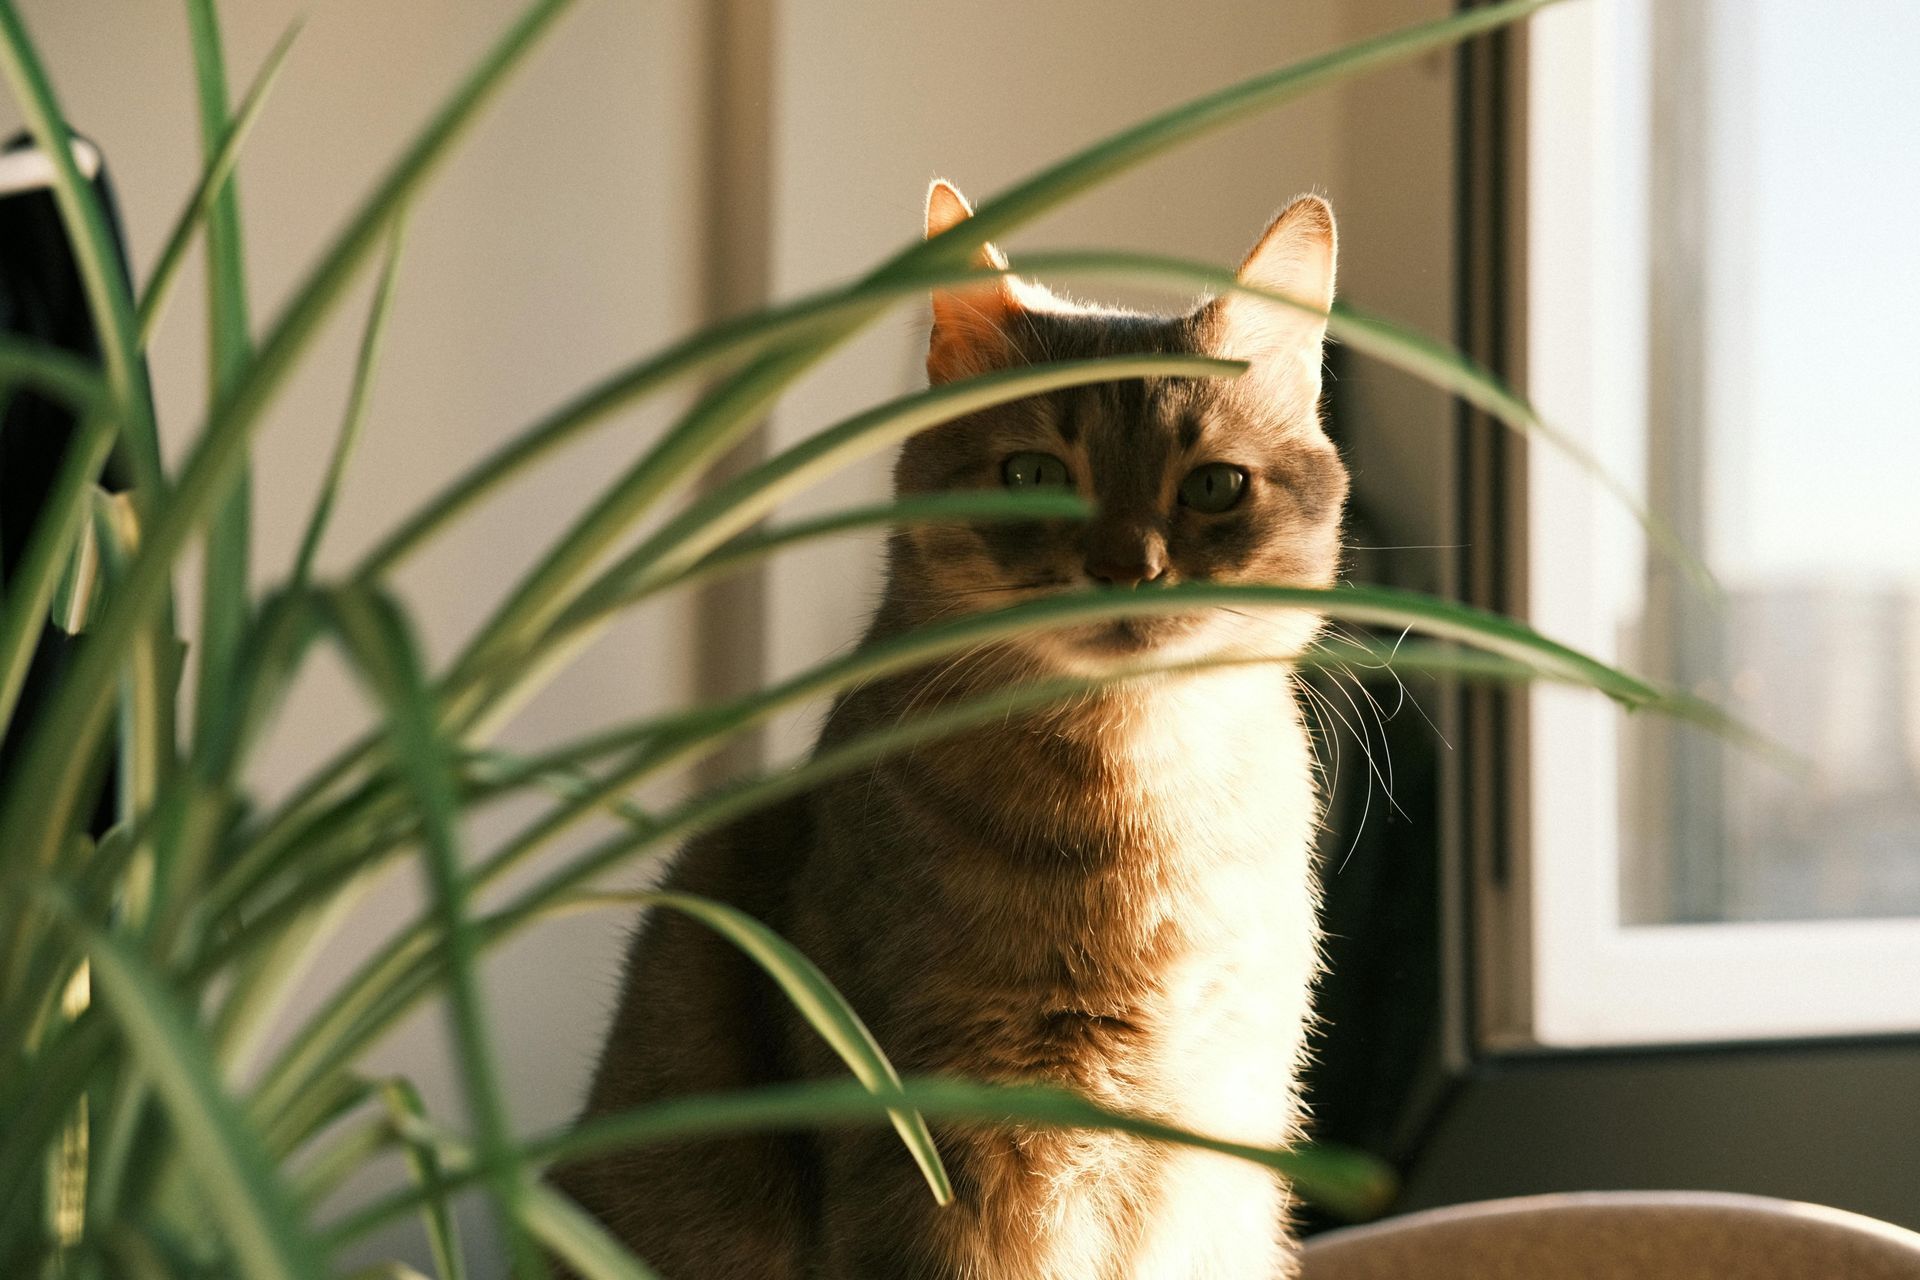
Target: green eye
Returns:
[1035, 471]
[1213, 488]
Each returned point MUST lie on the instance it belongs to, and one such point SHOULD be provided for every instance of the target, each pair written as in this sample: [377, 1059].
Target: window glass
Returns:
[1783, 437]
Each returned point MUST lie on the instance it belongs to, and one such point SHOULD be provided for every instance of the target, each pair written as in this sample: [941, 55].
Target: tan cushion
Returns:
[1620, 1235]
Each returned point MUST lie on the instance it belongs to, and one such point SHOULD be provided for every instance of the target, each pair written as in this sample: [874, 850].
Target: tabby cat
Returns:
[1114, 895]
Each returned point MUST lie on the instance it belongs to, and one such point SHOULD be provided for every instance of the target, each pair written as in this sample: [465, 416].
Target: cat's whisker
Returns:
[1386, 748]
[1361, 738]
[1325, 734]
[1323, 708]
[1406, 694]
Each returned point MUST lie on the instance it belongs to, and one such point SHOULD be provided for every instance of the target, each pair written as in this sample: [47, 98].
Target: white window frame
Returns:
[1594, 981]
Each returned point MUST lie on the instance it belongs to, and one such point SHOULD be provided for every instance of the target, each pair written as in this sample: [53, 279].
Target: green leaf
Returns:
[64, 520]
[1347, 1182]
[78, 592]
[378, 640]
[1433, 362]
[262, 988]
[400, 974]
[816, 999]
[1131, 147]
[740, 502]
[982, 506]
[149, 684]
[36, 1105]
[102, 277]
[213, 188]
[581, 1242]
[509, 638]
[323, 1173]
[241, 1188]
[713, 425]
[405, 1110]
[365, 364]
[56, 373]
[728, 340]
[44, 792]
[225, 596]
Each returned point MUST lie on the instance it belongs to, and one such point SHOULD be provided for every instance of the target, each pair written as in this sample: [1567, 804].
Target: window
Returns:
[1720, 303]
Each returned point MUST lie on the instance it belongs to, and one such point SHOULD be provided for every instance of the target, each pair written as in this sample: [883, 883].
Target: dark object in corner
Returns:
[42, 300]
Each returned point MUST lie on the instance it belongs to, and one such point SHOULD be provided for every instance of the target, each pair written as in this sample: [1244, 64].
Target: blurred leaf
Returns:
[225, 592]
[381, 645]
[815, 999]
[1349, 1183]
[241, 1187]
[403, 1105]
[365, 364]
[212, 187]
[583, 1243]
[63, 523]
[95, 256]
[511, 638]
[44, 792]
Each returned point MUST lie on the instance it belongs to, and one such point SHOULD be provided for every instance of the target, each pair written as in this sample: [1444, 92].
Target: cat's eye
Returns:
[1035, 471]
[1213, 488]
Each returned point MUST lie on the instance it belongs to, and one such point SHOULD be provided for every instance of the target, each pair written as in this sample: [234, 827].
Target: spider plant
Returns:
[141, 1130]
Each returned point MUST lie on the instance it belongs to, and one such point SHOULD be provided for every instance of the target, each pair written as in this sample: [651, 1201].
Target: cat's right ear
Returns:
[969, 322]
[1294, 259]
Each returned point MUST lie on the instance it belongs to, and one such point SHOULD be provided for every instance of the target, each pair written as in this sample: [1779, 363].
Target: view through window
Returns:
[1782, 429]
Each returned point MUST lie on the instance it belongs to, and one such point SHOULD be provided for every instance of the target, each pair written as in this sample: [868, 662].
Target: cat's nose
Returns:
[1126, 558]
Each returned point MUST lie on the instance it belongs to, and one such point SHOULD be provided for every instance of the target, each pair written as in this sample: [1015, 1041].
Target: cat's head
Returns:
[1192, 480]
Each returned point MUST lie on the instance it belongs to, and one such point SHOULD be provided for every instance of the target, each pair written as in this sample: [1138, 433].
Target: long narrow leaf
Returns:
[700, 438]
[243, 1191]
[384, 653]
[358, 398]
[211, 187]
[102, 277]
[29, 595]
[1131, 147]
[44, 794]
[1498, 637]
[37, 1104]
[225, 594]
[966, 506]
[819, 1002]
[148, 684]
[1375, 336]
[54, 372]
[740, 502]
[378, 994]
[1350, 1183]
[1431, 361]
[715, 423]
[404, 1108]
[583, 1243]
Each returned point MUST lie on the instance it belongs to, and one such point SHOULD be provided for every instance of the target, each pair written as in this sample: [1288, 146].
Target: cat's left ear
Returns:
[969, 323]
[1294, 258]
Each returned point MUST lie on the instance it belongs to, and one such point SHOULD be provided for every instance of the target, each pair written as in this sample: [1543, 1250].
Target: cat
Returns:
[1115, 895]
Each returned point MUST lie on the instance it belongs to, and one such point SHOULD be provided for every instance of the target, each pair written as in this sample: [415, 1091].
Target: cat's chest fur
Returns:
[1156, 882]
[1123, 905]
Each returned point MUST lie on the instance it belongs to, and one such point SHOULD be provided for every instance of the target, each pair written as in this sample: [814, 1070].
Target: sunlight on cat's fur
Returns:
[1115, 894]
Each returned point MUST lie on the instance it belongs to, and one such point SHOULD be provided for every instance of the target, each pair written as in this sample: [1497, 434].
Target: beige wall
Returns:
[567, 237]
